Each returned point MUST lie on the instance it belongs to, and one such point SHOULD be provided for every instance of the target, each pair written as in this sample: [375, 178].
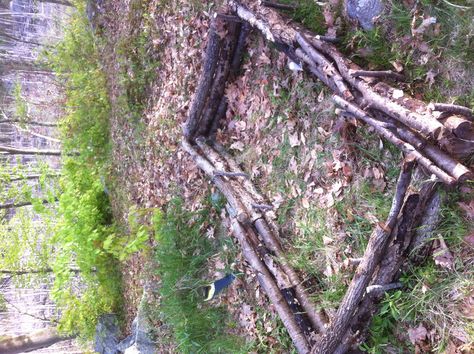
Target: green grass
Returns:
[182, 254]
[433, 296]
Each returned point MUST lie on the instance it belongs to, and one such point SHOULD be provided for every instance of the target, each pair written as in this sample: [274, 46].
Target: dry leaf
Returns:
[238, 145]
[305, 203]
[294, 141]
[418, 334]
[442, 255]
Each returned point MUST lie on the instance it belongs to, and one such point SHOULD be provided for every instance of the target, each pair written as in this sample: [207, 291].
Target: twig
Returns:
[379, 74]
[279, 6]
[455, 109]
[383, 288]
[376, 247]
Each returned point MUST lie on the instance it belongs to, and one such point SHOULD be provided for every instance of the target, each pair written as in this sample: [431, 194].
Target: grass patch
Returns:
[182, 254]
[433, 296]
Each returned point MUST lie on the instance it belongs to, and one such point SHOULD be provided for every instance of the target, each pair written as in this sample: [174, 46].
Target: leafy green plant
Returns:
[182, 253]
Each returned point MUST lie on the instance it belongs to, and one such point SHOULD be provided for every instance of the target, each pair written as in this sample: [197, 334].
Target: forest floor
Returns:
[329, 185]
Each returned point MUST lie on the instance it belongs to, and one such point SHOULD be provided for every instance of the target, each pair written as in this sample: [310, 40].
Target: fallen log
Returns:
[414, 217]
[382, 129]
[271, 289]
[268, 237]
[454, 109]
[219, 81]
[375, 249]
[205, 81]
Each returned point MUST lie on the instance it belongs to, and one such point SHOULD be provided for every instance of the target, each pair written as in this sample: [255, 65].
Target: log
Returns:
[460, 127]
[271, 289]
[425, 123]
[454, 109]
[269, 238]
[413, 211]
[384, 131]
[385, 74]
[220, 79]
[327, 67]
[375, 249]
[239, 50]
[205, 81]
[279, 6]
[220, 182]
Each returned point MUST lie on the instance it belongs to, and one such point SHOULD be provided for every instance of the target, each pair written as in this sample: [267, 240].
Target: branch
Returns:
[455, 109]
[376, 247]
[379, 74]
[387, 134]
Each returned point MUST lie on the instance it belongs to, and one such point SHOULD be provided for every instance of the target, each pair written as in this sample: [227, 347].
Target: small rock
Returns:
[364, 11]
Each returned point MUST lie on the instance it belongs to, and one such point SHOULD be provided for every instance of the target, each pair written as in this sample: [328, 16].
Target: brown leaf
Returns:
[442, 255]
[417, 334]
[468, 208]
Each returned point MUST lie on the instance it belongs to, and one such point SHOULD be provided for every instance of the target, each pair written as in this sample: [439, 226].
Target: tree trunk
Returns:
[36, 340]
[14, 151]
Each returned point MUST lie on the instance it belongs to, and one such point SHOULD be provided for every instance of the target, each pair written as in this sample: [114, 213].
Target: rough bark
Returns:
[454, 109]
[205, 81]
[376, 247]
[15, 151]
[381, 129]
[271, 289]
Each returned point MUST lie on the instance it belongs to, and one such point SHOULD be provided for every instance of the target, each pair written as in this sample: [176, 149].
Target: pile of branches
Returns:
[431, 135]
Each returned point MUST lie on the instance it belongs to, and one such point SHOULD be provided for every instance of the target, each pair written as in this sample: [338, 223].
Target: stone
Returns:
[106, 335]
[364, 11]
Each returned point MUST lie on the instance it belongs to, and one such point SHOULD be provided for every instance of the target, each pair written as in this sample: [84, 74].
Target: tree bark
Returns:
[15, 151]
[376, 247]
[33, 341]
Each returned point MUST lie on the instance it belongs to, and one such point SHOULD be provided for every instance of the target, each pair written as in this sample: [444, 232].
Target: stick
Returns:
[205, 81]
[387, 134]
[426, 124]
[377, 244]
[455, 109]
[271, 289]
[279, 6]
[380, 74]
[328, 67]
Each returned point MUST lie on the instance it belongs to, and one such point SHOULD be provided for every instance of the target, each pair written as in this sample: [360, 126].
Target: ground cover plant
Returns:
[182, 255]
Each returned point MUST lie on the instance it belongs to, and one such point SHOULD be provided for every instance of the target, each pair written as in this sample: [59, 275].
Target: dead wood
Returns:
[425, 123]
[220, 182]
[219, 81]
[383, 130]
[454, 109]
[315, 70]
[238, 54]
[460, 127]
[385, 74]
[375, 249]
[413, 218]
[271, 289]
[220, 115]
[328, 67]
[205, 81]
[269, 237]
[279, 6]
